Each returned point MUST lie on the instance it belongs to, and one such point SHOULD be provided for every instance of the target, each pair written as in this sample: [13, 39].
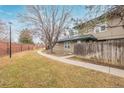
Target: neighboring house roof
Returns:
[108, 15]
[90, 22]
[81, 37]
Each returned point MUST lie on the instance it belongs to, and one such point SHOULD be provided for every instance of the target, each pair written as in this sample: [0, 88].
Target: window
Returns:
[103, 28]
[100, 28]
[97, 29]
[66, 45]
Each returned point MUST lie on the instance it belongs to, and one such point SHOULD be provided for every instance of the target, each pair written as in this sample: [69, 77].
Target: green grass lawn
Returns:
[28, 69]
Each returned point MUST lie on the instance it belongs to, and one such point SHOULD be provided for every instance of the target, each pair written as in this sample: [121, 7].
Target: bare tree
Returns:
[96, 14]
[3, 31]
[105, 12]
[48, 21]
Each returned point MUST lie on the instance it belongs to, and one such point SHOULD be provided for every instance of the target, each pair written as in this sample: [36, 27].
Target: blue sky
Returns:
[10, 12]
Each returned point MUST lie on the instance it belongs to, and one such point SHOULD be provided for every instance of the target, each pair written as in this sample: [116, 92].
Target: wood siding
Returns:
[110, 33]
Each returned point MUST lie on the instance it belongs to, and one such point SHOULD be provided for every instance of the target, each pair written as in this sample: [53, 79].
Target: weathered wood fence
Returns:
[4, 48]
[111, 51]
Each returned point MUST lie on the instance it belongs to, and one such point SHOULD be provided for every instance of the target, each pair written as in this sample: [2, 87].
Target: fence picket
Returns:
[110, 51]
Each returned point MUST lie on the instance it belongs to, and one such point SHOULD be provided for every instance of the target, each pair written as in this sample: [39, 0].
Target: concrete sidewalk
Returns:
[65, 57]
[105, 69]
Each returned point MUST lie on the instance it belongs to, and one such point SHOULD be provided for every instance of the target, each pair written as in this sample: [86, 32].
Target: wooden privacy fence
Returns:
[110, 52]
[4, 48]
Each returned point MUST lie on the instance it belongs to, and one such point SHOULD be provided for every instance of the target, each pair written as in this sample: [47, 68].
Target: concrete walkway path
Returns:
[105, 69]
[67, 56]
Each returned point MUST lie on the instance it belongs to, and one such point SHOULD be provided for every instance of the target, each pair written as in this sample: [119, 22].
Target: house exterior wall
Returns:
[71, 47]
[110, 33]
[60, 47]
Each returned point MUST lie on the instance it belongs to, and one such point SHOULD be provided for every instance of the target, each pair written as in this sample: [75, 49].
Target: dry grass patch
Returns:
[57, 52]
[32, 70]
[95, 61]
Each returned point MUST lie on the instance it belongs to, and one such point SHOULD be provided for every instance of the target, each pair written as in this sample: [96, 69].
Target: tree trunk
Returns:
[50, 48]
